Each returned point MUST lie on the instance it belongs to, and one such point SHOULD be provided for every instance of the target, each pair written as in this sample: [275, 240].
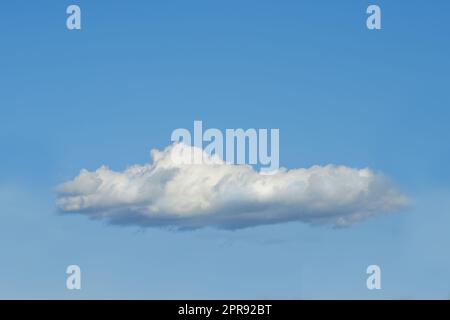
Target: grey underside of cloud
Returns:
[188, 196]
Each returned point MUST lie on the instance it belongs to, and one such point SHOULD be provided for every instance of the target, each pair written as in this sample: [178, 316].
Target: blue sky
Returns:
[112, 91]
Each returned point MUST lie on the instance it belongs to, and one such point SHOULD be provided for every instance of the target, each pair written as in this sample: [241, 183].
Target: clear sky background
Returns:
[137, 70]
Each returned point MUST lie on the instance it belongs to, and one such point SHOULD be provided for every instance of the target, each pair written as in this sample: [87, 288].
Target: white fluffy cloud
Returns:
[168, 193]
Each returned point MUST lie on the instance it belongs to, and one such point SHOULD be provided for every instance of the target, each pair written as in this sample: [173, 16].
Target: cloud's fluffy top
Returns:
[169, 193]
